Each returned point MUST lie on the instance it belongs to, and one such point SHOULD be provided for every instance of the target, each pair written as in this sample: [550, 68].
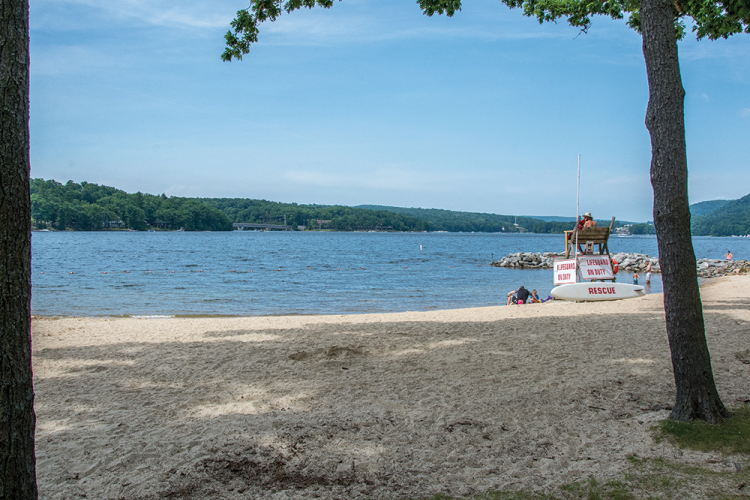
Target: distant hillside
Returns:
[331, 217]
[556, 218]
[732, 218]
[551, 218]
[448, 220]
[91, 207]
[706, 207]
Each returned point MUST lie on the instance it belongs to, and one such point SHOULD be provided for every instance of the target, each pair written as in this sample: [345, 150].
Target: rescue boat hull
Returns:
[597, 291]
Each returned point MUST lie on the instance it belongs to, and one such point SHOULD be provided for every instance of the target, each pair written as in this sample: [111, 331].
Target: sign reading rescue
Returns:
[595, 267]
[565, 271]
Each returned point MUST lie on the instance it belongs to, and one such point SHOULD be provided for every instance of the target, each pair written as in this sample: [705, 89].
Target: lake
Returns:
[246, 273]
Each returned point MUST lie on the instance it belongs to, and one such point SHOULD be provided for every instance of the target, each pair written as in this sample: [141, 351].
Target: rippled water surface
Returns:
[261, 273]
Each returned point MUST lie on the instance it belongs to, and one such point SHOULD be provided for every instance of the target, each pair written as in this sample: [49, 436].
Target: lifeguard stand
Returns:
[594, 235]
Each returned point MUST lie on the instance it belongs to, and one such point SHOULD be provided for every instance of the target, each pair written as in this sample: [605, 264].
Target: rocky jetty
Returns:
[714, 268]
[527, 260]
[633, 262]
[636, 262]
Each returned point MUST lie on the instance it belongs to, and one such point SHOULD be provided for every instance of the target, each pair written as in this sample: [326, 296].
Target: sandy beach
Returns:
[366, 406]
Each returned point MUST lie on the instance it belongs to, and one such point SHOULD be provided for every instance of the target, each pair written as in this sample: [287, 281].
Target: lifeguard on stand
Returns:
[584, 275]
[588, 234]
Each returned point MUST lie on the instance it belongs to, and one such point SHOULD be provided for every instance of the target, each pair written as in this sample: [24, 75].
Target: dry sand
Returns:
[376, 405]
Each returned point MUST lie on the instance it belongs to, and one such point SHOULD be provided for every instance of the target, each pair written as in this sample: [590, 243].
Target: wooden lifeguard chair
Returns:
[594, 235]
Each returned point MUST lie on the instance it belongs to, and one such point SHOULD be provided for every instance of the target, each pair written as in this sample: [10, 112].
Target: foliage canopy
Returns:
[91, 207]
[710, 18]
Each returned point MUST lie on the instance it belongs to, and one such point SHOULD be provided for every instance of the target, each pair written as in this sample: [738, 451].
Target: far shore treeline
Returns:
[91, 207]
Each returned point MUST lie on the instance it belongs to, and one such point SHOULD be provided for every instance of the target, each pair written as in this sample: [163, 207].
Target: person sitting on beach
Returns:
[534, 297]
[522, 295]
[635, 278]
[512, 298]
[728, 256]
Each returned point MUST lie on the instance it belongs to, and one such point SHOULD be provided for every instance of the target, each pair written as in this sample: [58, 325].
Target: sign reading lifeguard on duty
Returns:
[595, 267]
[565, 271]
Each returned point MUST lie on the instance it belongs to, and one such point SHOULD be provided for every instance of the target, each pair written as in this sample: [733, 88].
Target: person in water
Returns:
[728, 256]
[648, 274]
[635, 278]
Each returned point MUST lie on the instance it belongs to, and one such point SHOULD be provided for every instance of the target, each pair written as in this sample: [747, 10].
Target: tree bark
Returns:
[17, 419]
[665, 119]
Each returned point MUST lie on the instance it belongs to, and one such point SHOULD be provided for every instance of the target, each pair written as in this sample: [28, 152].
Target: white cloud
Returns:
[321, 28]
[170, 13]
[349, 22]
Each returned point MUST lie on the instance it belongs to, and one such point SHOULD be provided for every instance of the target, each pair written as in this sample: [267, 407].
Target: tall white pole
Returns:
[578, 213]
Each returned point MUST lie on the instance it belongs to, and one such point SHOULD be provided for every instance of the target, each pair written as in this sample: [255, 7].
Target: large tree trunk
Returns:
[696, 391]
[17, 420]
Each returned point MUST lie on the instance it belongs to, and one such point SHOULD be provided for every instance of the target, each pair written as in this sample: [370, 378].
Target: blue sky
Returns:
[371, 102]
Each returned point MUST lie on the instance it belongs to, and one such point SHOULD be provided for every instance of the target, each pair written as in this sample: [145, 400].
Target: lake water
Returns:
[268, 273]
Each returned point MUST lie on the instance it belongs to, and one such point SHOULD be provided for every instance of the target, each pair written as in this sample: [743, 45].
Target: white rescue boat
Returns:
[597, 291]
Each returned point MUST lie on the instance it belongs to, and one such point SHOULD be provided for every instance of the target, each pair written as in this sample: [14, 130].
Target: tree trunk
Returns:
[696, 391]
[17, 420]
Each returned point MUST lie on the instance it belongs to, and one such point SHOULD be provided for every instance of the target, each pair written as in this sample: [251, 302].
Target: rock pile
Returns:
[636, 262]
[714, 268]
[633, 262]
[527, 260]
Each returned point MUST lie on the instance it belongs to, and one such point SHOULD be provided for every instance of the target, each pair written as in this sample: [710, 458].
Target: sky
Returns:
[372, 102]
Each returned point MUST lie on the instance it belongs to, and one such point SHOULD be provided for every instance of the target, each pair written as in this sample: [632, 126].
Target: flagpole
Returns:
[578, 213]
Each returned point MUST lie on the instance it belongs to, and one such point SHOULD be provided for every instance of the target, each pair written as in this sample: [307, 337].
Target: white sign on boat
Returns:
[597, 291]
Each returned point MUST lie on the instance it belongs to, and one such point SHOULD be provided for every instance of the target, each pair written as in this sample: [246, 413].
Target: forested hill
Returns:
[314, 216]
[448, 220]
[732, 218]
[91, 207]
[706, 207]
